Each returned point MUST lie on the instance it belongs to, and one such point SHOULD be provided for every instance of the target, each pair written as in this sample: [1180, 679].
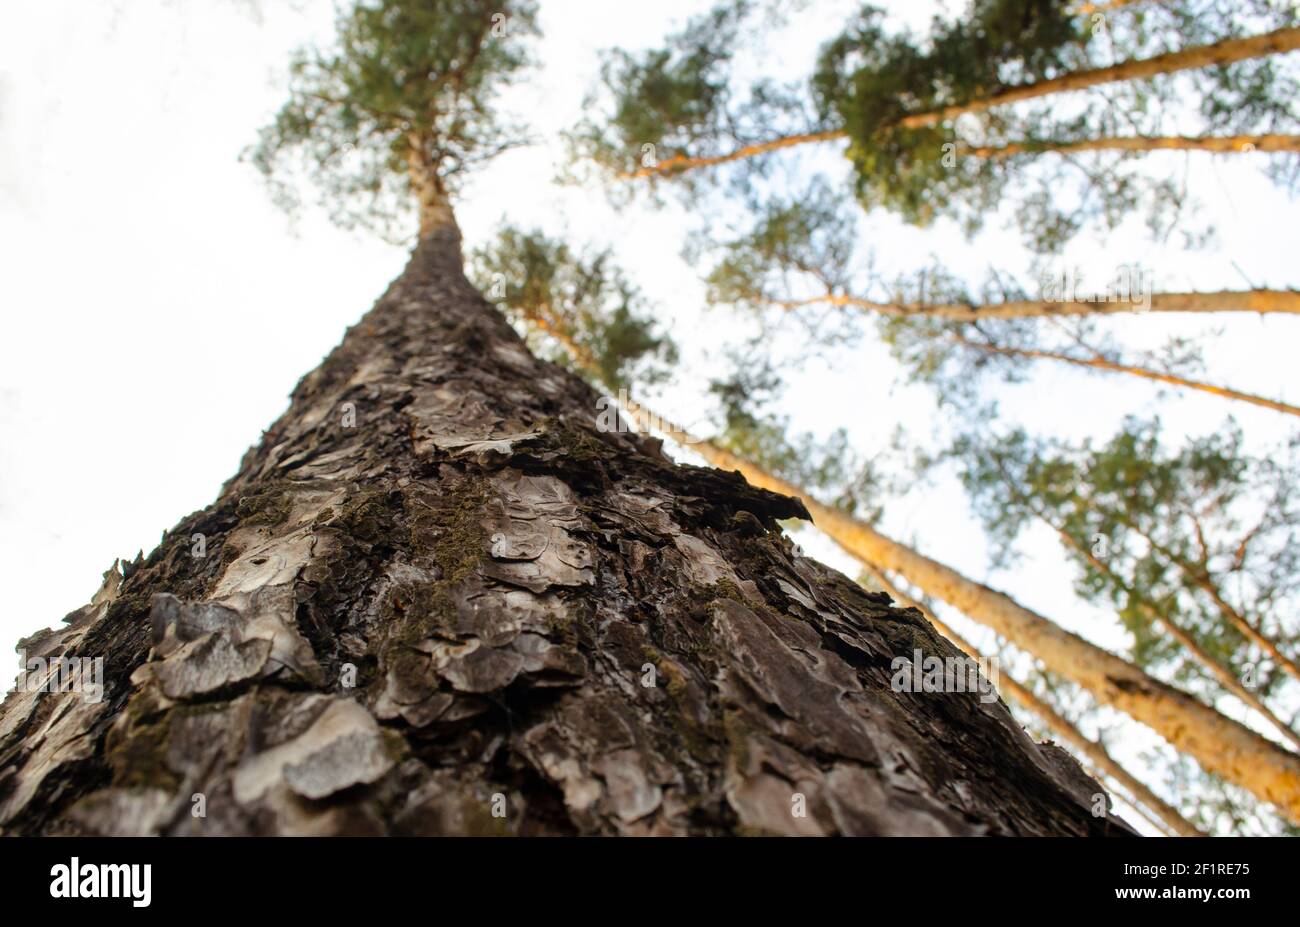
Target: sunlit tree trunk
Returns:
[439, 597]
[1219, 144]
[1224, 52]
[1259, 301]
[1105, 6]
[1098, 362]
[1216, 669]
[681, 163]
[1199, 576]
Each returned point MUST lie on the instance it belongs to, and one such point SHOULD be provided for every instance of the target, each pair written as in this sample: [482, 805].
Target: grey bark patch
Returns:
[123, 812]
[811, 696]
[174, 623]
[483, 669]
[352, 759]
[630, 792]
[703, 564]
[501, 446]
[532, 528]
[210, 664]
[207, 646]
[342, 748]
[768, 783]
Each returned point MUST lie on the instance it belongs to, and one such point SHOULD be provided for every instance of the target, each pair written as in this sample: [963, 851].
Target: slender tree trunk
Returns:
[681, 163]
[1220, 144]
[1106, 6]
[1261, 301]
[1156, 809]
[438, 598]
[1098, 362]
[1227, 51]
[1218, 743]
[1200, 577]
[1220, 672]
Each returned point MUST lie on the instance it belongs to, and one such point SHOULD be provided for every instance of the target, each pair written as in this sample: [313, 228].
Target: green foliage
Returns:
[671, 98]
[932, 351]
[582, 303]
[809, 236]
[868, 80]
[680, 104]
[924, 173]
[1179, 534]
[404, 76]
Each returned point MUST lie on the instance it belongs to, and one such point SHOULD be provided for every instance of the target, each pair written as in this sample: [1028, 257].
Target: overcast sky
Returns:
[158, 309]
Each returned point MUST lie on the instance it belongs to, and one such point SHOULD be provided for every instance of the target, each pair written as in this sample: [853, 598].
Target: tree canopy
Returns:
[1046, 116]
[407, 90]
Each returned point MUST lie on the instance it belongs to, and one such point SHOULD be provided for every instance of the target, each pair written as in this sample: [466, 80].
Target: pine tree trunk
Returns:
[1260, 301]
[1221, 745]
[436, 598]
[1216, 144]
[1223, 52]
[1098, 362]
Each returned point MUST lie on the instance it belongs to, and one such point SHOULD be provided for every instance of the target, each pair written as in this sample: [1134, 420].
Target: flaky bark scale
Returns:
[438, 510]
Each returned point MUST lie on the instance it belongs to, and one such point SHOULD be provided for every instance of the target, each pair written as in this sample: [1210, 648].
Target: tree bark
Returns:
[1218, 743]
[1152, 806]
[1106, 6]
[681, 163]
[437, 598]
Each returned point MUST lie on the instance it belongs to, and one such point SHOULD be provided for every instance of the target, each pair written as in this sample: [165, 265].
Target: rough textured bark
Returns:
[1156, 809]
[438, 510]
[1218, 743]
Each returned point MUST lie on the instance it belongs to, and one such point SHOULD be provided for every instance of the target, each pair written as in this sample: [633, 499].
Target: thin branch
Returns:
[1262, 301]
[1100, 363]
[1220, 144]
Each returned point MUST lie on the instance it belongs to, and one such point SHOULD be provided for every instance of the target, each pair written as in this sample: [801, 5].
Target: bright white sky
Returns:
[157, 308]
